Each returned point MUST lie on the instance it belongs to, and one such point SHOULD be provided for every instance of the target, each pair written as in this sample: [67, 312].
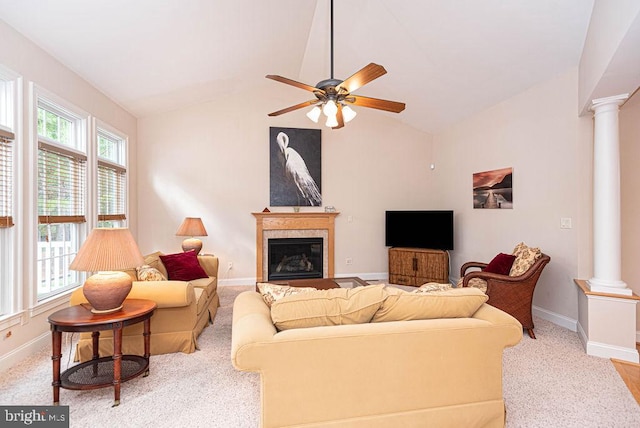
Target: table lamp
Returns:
[107, 251]
[192, 226]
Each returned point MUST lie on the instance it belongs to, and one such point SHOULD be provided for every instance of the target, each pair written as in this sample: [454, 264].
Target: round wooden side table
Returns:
[105, 371]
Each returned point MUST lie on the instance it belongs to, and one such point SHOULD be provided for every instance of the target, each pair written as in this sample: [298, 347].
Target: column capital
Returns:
[616, 100]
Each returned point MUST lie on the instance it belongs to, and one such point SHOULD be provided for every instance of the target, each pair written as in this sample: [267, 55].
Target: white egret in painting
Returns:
[297, 171]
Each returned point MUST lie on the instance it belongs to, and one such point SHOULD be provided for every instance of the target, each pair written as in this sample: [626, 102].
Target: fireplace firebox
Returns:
[294, 258]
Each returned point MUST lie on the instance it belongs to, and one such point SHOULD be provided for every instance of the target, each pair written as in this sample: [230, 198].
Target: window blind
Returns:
[6, 178]
[61, 185]
[111, 191]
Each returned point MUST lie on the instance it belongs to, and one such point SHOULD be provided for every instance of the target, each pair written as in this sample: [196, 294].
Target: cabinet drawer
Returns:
[402, 279]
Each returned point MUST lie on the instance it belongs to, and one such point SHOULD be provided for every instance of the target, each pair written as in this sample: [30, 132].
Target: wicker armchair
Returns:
[512, 294]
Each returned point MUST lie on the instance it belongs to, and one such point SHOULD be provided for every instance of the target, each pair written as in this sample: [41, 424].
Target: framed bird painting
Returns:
[295, 167]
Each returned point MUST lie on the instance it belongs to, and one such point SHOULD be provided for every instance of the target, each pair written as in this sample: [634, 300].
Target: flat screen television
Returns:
[419, 229]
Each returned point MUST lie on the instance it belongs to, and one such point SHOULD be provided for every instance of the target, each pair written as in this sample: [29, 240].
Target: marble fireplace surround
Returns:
[273, 225]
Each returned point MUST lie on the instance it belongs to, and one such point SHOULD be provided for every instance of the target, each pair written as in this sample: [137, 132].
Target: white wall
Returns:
[539, 134]
[212, 161]
[35, 65]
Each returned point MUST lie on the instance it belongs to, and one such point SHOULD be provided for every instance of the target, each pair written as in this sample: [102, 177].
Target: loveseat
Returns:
[185, 308]
[444, 372]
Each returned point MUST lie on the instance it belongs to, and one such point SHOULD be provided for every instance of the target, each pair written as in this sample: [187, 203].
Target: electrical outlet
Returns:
[229, 265]
[349, 261]
[565, 223]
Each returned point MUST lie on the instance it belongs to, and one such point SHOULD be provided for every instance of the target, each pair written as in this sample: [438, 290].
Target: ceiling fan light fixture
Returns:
[330, 109]
[332, 121]
[314, 114]
[348, 113]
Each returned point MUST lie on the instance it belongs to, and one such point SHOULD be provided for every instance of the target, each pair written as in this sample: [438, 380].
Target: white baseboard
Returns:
[555, 318]
[604, 350]
[23, 352]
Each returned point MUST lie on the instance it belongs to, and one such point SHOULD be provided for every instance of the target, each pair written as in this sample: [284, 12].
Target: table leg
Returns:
[55, 357]
[117, 361]
[147, 343]
[95, 336]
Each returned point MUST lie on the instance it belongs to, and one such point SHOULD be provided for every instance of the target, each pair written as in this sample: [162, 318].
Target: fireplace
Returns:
[273, 225]
[294, 258]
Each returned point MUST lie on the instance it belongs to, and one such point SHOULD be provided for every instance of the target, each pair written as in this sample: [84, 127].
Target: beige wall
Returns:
[539, 134]
[212, 161]
[35, 65]
[630, 197]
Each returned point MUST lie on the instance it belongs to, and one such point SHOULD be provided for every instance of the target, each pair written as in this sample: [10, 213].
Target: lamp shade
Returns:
[107, 249]
[191, 226]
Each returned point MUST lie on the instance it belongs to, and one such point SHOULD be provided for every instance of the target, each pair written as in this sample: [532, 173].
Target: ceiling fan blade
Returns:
[292, 108]
[362, 77]
[339, 118]
[392, 106]
[291, 82]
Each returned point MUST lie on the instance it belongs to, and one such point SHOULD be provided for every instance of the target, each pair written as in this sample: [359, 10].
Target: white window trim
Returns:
[99, 124]
[15, 291]
[84, 134]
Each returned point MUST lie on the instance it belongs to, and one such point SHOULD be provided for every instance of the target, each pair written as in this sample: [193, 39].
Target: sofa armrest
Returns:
[210, 264]
[166, 294]
[251, 324]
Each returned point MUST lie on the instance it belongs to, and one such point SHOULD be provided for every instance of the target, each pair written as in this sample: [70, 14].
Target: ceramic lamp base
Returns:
[192, 244]
[106, 291]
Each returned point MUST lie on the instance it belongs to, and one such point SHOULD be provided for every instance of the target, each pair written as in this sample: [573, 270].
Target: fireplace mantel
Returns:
[294, 221]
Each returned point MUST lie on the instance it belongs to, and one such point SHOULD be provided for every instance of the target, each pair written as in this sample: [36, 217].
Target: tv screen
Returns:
[419, 229]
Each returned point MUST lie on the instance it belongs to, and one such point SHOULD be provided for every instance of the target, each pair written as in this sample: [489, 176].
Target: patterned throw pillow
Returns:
[478, 283]
[525, 258]
[273, 292]
[432, 286]
[148, 273]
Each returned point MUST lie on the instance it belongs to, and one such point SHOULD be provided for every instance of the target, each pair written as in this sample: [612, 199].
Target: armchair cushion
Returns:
[501, 264]
[525, 258]
[183, 266]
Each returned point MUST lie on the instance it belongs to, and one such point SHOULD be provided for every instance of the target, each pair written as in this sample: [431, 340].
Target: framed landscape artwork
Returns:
[493, 189]
[295, 167]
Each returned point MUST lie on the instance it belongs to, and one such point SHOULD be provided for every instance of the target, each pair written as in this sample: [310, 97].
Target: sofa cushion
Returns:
[525, 258]
[501, 264]
[478, 283]
[208, 284]
[148, 273]
[335, 306]
[183, 266]
[401, 305]
[272, 292]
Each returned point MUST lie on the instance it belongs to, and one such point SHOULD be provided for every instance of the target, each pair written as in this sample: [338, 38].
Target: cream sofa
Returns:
[435, 372]
[184, 310]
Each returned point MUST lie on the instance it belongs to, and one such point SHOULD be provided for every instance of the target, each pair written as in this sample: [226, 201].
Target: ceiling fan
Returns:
[335, 95]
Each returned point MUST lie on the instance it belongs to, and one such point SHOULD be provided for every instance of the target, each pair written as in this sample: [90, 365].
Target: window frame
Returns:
[120, 165]
[10, 256]
[41, 301]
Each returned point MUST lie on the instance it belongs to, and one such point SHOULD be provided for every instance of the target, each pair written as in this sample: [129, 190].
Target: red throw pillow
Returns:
[183, 266]
[501, 264]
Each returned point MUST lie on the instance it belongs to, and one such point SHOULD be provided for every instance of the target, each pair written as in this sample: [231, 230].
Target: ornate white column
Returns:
[607, 248]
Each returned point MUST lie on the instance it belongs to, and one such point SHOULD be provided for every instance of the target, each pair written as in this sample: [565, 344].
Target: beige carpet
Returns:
[548, 382]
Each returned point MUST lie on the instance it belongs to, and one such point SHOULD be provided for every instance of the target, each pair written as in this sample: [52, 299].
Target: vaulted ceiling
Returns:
[446, 59]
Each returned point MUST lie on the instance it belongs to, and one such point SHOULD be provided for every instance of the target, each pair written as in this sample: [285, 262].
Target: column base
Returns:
[609, 287]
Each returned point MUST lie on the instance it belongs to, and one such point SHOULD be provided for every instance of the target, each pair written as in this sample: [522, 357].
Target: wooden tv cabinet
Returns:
[416, 266]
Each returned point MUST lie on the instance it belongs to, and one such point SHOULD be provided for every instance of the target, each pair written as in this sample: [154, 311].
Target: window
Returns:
[112, 179]
[61, 196]
[8, 108]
